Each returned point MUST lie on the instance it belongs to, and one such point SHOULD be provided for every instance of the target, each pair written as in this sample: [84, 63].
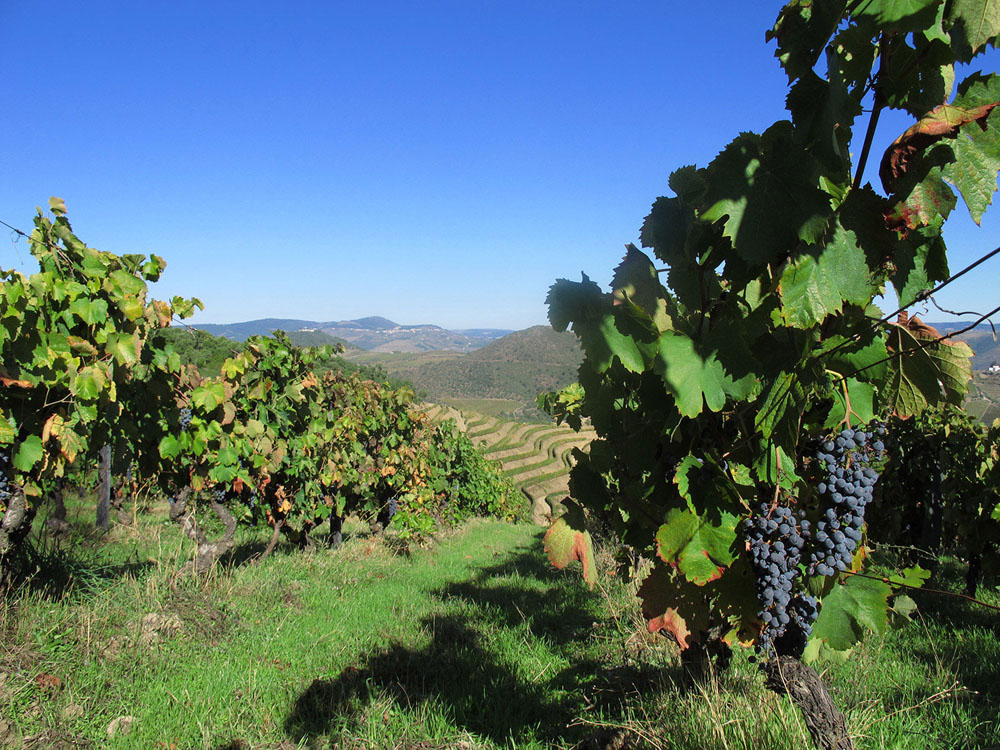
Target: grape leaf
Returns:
[862, 398]
[760, 187]
[852, 607]
[693, 381]
[568, 539]
[698, 546]
[818, 283]
[29, 453]
[588, 309]
[802, 30]
[664, 596]
[925, 372]
[974, 24]
[901, 15]
[636, 280]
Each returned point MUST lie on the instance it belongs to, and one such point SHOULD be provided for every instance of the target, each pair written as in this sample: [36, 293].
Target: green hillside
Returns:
[516, 367]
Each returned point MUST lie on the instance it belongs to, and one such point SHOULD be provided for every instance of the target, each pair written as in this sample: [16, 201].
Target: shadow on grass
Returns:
[461, 675]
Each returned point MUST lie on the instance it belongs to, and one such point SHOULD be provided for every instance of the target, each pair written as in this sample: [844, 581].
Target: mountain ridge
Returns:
[372, 333]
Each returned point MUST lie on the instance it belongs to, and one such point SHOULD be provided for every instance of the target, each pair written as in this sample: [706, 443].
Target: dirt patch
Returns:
[199, 615]
[55, 739]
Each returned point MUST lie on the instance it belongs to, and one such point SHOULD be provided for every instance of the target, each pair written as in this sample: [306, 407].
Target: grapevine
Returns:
[711, 367]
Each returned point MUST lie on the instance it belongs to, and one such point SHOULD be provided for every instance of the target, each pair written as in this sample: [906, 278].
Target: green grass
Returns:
[471, 642]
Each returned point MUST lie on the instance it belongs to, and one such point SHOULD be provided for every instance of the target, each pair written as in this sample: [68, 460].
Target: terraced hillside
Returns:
[535, 457]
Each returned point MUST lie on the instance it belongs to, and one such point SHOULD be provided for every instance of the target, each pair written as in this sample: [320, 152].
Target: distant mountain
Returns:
[372, 333]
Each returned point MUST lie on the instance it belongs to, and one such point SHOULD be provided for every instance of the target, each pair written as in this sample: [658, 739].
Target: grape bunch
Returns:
[844, 467]
[5, 487]
[219, 494]
[392, 507]
[777, 538]
[185, 419]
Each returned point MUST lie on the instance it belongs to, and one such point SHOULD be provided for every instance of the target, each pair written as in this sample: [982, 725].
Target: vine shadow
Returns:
[460, 672]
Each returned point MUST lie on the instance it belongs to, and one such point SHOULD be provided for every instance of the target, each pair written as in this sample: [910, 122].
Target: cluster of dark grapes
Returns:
[5, 488]
[392, 507]
[185, 419]
[219, 495]
[846, 481]
[777, 538]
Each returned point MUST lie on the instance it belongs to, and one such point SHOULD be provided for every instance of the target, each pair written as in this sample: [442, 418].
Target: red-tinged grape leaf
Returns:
[669, 603]
[568, 539]
[943, 122]
[71, 444]
[925, 372]
[81, 346]
[852, 607]
[700, 547]
[160, 312]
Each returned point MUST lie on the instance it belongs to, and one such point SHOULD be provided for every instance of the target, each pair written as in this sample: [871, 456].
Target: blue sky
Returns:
[434, 162]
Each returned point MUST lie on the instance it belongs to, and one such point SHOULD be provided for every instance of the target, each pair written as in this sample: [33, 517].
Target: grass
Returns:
[473, 641]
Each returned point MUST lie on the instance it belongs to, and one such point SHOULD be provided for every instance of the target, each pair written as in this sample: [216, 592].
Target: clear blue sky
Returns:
[439, 162]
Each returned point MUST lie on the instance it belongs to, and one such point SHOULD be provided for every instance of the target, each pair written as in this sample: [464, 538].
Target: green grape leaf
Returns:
[778, 417]
[130, 285]
[861, 407]
[692, 380]
[636, 281]
[124, 347]
[594, 322]
[920, 261]
[900, 15]
[29, 453]
[208, 397]
[974, 25]
[802, 30]
[818, 283]
[977, 161]
[852, 607]
[698, 546]
[568, 539]
[88, 382]
[90, 311]
[914, 577]
[847, 356]
[170, 447]
[824, 112]
[760, 187]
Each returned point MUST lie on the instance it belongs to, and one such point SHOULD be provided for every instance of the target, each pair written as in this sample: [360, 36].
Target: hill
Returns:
[372, 333]
[516, 367]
